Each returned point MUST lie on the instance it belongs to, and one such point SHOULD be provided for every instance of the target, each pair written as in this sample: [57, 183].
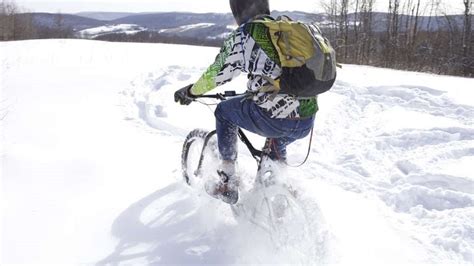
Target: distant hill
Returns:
[196, 26]
[158, 21]
[76, 23]
[105, 16]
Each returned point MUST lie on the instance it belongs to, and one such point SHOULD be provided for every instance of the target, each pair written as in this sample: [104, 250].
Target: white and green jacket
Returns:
[249, 49]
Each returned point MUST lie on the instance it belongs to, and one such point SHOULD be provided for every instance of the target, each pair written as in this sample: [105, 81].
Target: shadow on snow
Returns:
[169, 226]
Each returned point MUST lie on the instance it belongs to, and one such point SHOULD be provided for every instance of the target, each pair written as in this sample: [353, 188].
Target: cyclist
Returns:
[280, 118]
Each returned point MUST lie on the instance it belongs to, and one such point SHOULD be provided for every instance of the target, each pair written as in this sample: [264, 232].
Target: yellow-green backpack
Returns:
[307, 59]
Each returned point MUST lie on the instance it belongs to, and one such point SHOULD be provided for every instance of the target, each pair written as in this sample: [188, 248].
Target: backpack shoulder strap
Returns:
[260, 18]
[284, 17]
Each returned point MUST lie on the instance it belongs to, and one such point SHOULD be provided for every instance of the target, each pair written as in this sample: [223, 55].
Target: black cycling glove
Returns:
[184, 96]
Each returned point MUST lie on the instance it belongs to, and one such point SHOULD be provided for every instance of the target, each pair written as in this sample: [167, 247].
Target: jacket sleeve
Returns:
[227, 65]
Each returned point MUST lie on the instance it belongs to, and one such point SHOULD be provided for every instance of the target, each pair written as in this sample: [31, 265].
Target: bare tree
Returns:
[356, 31]
[407, 7]
[393, 13]
[8, 10]
[60, 30]
[442, 45]
[415, 27]
[344, 25]
[466, 39]
[392, 43]
[367, 31]
[434, 8]
[331, 9]
[15, 24]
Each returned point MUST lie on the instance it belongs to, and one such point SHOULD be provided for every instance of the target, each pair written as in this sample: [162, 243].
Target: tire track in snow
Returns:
[360, 147]
[148, 101]
[415, 98]
[400, 160]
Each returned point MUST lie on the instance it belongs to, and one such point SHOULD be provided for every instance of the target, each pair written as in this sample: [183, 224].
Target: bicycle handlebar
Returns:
[220, 96]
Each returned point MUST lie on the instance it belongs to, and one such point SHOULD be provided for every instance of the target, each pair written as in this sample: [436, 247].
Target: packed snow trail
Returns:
[91, 164]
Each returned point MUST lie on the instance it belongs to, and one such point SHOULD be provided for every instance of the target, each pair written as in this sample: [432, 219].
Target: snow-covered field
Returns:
[90, 172]
[187, 27]
[109, 29]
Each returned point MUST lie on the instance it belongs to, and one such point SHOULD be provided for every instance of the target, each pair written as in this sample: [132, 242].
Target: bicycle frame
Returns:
[256, 154]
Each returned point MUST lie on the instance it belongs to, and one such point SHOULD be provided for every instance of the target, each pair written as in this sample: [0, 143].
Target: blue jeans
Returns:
[244, 113]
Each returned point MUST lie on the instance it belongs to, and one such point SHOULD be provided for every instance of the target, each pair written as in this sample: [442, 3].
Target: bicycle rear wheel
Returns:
[199, 149]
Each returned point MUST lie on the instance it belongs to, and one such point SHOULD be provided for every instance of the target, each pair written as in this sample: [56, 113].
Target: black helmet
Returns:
[244, 10]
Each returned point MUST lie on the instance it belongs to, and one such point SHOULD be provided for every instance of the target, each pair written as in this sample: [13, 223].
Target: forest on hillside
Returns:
[408, 36]
[402, 43]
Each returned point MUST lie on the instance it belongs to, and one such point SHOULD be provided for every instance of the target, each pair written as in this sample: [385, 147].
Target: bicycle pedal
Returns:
[219, 190]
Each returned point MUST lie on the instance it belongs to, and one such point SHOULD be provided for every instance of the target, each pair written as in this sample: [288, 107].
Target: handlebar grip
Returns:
[229, 93]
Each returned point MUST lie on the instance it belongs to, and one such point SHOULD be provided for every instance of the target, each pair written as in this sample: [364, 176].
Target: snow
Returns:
[232, 27]
[188, 27]
[108, 29]
[224, 35]
[91, 142]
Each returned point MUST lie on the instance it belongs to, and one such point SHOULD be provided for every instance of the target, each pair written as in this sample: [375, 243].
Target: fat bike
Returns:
[270, 203]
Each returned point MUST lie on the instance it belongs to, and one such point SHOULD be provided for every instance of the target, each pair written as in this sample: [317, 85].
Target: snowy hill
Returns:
[219, 25]
[110, 29]
[106, 16]
[90, 173]
[49, 20]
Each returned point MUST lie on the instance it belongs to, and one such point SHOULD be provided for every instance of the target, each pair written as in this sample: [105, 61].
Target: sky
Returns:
[199, 6]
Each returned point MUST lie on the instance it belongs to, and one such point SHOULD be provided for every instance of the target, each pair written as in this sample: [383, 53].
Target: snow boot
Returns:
[226, 189]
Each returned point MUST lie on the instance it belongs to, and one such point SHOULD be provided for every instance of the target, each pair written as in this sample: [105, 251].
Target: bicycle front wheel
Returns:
[199, 150]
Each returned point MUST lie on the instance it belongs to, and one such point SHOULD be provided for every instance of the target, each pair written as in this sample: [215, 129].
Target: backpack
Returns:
[307, 59]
